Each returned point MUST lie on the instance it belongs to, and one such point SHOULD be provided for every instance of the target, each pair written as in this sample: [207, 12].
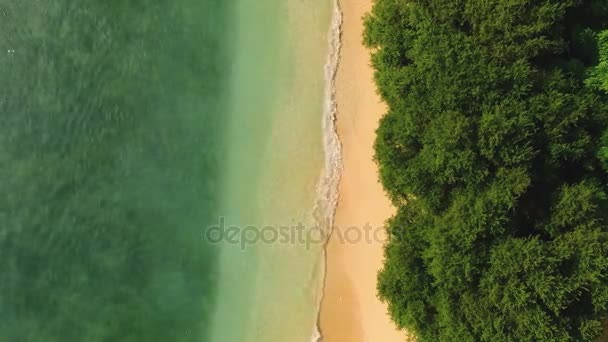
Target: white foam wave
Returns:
[327, 188]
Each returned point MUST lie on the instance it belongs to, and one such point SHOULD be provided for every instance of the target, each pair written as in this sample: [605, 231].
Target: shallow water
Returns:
[274, 171]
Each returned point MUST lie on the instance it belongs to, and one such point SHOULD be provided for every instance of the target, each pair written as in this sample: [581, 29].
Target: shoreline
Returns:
[350, 310]
[328, 187]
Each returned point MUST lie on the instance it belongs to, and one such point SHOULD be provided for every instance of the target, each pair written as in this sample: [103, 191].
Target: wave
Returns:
[327, 188]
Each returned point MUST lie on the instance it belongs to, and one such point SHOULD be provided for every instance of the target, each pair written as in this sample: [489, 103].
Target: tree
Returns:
[489, 151]
[598, 79]
[603, 154]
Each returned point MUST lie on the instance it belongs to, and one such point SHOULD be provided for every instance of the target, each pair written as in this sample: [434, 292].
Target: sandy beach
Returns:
[351, 311]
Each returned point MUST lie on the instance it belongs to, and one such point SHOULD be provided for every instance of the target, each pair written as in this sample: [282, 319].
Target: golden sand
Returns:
[351, 311]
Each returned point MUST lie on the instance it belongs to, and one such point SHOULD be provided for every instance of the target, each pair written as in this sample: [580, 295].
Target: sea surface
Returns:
[131, 132]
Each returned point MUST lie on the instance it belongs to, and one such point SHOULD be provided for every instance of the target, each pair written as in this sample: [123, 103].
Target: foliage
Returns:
[603, 153]
[598, 79]
[489, 151]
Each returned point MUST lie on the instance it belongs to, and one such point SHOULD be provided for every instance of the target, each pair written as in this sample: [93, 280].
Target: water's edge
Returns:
[327, 188]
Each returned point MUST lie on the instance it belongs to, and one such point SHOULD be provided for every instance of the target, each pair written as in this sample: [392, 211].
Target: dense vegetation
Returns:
[603, 154]
[494, 151]
[598, 79]
[110, 117]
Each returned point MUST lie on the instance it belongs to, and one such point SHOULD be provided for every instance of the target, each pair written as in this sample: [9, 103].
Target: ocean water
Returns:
[128, 129]
[276, 179]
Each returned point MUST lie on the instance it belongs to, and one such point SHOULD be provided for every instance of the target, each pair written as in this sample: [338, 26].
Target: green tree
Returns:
[489, 151]
[603, 154]
[598, 79]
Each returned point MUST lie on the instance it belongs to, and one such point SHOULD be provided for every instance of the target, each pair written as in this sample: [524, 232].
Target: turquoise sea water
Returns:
[127, 128]
[110, 157]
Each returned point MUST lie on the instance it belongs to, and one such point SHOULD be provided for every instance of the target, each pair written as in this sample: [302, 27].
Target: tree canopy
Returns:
[492, 152]
[598, 79]
[603, 154]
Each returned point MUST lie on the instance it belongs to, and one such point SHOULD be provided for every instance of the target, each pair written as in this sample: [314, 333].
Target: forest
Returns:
[494, 149]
